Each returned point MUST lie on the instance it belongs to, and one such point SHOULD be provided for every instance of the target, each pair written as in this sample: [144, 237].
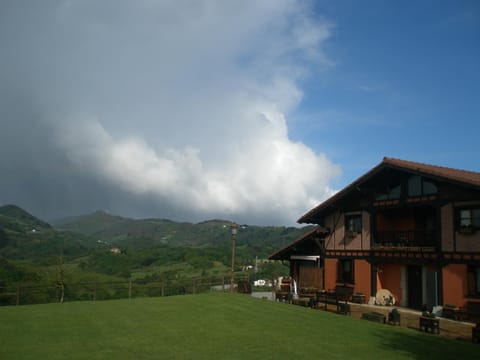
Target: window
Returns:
[353, 223]
[389, 193]
[418, 186]
[468, 219]
[345, 271]
[473, 280]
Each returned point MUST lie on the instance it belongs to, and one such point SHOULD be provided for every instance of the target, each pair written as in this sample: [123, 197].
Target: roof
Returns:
[464, 177]
[280, 254]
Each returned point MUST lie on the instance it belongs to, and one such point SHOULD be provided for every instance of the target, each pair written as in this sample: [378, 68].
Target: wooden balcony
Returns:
[404, 239]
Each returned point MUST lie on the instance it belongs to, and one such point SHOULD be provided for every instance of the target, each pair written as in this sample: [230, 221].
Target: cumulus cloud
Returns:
[172, 109]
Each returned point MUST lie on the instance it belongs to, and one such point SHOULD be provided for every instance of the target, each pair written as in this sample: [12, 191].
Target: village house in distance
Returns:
[410, 228]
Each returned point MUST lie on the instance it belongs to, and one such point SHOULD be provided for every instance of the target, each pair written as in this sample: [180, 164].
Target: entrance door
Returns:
[414, 286]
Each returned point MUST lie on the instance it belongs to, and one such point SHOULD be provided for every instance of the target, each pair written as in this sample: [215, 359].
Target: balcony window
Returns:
[419, 186]
[345, 273]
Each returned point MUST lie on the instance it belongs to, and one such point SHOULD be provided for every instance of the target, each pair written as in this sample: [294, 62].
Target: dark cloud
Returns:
[157, 109]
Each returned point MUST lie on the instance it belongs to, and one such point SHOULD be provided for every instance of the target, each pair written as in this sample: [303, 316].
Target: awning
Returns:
[305, 257]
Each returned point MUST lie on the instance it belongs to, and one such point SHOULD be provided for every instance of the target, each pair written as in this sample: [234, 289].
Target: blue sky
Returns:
[253, 111]
[405, 82]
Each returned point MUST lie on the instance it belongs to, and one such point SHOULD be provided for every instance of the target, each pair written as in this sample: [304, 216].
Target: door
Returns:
[311, 276]
[414, 287]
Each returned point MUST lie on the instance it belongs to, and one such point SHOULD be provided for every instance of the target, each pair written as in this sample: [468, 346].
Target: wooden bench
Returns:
[453, 312]
[331, 298]
[429, 324]
[339, 297]
[374, 316]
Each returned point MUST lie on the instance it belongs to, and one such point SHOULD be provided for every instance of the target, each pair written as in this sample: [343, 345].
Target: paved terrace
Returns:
[408, 318]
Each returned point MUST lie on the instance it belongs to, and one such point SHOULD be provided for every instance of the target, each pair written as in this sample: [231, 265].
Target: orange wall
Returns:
[389, 277]
[330, 274]
[454, 284]
[362, 276]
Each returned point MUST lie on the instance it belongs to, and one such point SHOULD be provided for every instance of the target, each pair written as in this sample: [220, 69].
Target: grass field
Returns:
[208, 326]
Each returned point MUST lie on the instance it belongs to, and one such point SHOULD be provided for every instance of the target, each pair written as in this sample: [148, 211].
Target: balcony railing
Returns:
[404, 238]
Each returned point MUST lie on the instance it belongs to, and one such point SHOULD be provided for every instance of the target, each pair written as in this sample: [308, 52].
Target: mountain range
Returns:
[148, 242]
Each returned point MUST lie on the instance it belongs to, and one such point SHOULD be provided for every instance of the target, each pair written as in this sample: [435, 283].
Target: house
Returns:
[410, 228]
[115, 250]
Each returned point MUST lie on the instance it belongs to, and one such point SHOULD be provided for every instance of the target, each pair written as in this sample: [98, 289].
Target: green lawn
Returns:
[208, 326]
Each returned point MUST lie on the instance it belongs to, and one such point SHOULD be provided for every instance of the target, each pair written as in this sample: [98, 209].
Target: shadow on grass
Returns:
[422, 346]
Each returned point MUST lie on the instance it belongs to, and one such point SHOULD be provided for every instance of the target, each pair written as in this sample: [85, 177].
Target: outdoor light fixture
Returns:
[234, 235]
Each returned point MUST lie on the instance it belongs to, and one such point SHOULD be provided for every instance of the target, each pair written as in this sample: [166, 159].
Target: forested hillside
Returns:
[105, 246]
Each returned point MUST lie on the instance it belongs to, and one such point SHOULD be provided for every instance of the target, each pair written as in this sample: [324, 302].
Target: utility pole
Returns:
[234, 235]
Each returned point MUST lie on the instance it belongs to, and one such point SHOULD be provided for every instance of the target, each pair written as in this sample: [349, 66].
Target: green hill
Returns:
[23, 236]
[144, 233]
[141, 249]
[16, 219]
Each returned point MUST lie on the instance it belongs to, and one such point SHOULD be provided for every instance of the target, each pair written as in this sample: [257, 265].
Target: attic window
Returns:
[419, 186]
[390, 193]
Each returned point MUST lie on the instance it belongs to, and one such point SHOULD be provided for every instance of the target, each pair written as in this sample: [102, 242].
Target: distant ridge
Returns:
[23, 236]
[22, 220]
[121, 231]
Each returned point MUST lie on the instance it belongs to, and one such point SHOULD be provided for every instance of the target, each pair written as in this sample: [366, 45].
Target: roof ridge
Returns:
[390, 160]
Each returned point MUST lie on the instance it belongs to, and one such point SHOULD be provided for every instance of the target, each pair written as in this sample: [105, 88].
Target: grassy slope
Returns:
[220, 326]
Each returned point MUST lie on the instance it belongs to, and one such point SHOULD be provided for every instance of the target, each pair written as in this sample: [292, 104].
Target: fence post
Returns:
[95, 291]
[18, 295]
[130, 289]
[163, 289]
[223, 283]
[193, 286]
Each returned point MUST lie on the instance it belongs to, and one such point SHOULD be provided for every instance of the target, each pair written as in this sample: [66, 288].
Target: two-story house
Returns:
[408, 227]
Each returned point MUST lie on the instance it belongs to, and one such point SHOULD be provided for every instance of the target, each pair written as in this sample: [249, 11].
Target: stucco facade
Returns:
[410, 228]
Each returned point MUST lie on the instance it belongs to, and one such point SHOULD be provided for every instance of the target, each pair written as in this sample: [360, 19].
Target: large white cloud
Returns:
[186, 102]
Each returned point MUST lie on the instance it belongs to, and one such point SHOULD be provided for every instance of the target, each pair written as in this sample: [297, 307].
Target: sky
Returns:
[250, 111]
